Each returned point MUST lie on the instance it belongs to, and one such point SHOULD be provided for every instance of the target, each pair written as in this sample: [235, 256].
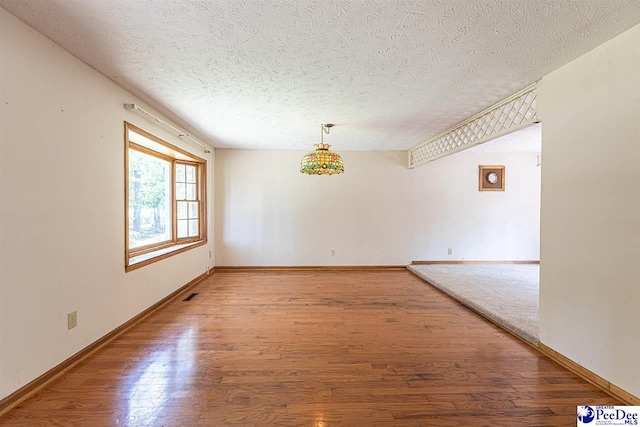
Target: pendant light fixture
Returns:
[322, 161]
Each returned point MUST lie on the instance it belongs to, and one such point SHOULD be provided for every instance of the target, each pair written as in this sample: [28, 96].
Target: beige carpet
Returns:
[504, 293]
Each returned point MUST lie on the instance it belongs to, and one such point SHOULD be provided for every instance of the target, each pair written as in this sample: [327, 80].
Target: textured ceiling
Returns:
[265, 74]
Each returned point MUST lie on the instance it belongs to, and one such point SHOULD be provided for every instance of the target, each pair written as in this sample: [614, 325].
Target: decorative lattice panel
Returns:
[515, 112]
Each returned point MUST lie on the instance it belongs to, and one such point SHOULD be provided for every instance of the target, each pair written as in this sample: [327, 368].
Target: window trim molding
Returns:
[164, 253]
[200, 180]
[164, 248]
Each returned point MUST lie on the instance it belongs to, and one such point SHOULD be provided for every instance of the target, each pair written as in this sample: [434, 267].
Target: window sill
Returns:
[155, 256]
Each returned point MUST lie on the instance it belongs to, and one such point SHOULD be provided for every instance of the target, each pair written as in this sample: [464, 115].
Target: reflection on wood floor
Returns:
[352, 348]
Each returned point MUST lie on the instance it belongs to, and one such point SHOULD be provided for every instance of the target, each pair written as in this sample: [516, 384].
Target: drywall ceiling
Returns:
[527, 140]
[265, 74]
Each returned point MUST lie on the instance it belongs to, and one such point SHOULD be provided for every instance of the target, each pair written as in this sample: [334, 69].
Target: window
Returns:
[165, 199]
[188, 204]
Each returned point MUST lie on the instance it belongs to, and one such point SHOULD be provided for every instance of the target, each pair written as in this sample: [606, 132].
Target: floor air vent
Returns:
[190, 297]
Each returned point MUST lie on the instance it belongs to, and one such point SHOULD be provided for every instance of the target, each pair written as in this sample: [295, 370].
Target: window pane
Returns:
[182, 228]
[193, 210]
[149, 199]
[180, 192]
[193, 227]
[191, 174]
[191, 192]
[180, 173]
[182, 210]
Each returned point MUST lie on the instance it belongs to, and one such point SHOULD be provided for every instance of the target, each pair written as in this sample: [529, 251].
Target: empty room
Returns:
[319, 213]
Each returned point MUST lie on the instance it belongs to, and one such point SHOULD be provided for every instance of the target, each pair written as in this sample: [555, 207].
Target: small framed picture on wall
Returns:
[491, 178]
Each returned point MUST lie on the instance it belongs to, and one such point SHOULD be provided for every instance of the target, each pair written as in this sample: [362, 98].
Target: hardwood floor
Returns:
[351, 348]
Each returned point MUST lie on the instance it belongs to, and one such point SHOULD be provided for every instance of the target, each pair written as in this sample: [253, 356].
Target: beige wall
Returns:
[590, 239]
[377, 213]
[62, 208]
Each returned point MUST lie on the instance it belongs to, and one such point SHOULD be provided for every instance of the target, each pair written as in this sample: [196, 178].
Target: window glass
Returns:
[187, 189]
[191, 174]
[149, 199]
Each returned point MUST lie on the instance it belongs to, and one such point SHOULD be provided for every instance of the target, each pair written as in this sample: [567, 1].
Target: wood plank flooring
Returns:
[350, 348]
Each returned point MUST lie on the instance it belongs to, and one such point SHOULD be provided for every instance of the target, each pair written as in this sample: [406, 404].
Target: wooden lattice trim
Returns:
[510, 114]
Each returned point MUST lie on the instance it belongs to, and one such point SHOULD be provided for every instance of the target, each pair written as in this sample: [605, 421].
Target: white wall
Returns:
[377, 213]
[62, 212]
[590, 252]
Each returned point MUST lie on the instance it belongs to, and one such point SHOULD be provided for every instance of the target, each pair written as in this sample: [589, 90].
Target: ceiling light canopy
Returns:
[322, 161]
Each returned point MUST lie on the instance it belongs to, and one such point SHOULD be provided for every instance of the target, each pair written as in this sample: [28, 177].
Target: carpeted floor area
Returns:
[504, 293]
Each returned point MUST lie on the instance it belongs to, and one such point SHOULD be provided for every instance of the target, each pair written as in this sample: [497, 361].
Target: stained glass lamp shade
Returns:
[322, 161]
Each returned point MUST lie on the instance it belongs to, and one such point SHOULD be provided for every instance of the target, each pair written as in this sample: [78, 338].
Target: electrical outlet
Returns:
[450, 251]
[333, 252]
[72, 320]
[209, 254]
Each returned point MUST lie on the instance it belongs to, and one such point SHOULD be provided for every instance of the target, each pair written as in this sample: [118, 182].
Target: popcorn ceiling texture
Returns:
[265, 74]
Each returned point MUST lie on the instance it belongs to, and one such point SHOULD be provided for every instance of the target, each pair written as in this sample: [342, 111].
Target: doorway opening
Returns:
[497, 272]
